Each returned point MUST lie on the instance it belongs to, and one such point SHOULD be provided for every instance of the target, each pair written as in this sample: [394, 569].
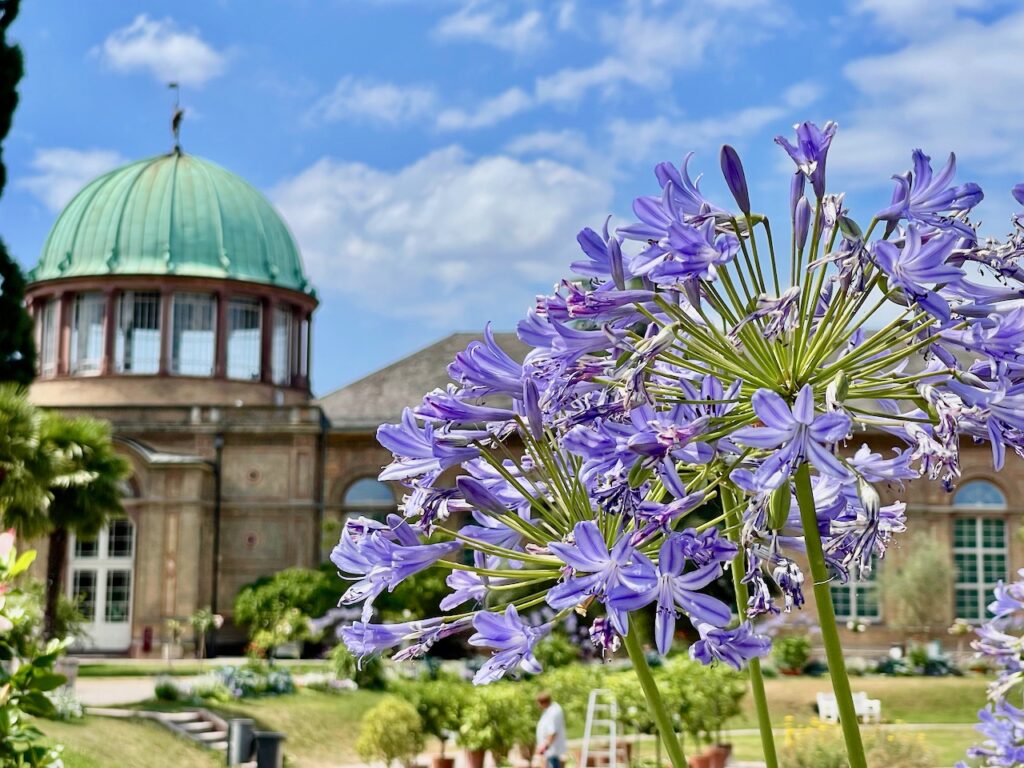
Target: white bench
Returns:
[868, 710]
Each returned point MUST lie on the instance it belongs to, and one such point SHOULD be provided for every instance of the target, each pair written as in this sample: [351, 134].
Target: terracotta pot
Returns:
[702, 760]
[442, 762]
[718, 754]
[475, 758]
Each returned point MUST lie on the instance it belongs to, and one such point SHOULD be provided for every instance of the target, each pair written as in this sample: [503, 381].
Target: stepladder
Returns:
[602, 742]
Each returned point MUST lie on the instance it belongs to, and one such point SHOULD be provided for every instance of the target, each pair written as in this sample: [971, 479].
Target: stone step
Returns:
[209, 737]
[187, 716]
[219, 746]
[197, 726]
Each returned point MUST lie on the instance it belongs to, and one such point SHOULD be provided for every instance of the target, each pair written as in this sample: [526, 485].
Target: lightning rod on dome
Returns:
[178, 116]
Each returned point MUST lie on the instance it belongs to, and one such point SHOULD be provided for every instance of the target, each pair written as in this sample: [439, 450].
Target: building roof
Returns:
[174, 214]
[380, 397]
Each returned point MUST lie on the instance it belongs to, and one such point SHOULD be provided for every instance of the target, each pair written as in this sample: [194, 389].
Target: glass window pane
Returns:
[244, 343]
[281, 355]
[993, 533]
[993, 568]
[965, 532]
[867, 602]
[193, 344]
[137, 340]
[979, 493]
[48, 338]
[119, 538]
[87, 333]
[86, 547]
[83, 591]
[842, 601]
[118, 596]
[967, 604]
[966, 567]
[368, 491]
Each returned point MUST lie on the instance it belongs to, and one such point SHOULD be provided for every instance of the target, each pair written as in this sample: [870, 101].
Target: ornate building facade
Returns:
[171, 299]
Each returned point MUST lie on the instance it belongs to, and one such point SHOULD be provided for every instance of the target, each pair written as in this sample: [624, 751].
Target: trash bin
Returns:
[269, 749]
[240, 740]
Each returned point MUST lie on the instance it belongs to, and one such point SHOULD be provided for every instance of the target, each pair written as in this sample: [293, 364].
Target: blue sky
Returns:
[436, 158]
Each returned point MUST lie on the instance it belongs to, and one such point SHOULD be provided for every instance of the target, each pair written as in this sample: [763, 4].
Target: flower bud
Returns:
[796, 192]
[801, 222]
[732, 169]
[869, 498]
[779, 505]
[837, 390]
[1018, 193]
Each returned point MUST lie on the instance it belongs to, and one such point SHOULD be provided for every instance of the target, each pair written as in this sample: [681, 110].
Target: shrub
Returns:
[167, 690]
[276, 609]
[497, 717]
[556, 650]
[440, 704]
[791, 653]
[391, 732]
[369, 673]
[821, 746]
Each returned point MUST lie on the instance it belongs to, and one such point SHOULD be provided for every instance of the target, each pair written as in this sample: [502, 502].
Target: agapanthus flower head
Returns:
[687, 407]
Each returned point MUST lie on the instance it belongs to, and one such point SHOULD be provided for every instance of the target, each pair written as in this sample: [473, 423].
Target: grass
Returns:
[182, 667]
[102, 742]
[904, 699]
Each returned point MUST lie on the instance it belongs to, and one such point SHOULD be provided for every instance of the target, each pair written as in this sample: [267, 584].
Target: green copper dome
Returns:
[175, 214]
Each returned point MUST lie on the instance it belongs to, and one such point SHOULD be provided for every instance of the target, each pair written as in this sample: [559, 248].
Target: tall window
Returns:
[193, 345]
[304, 350]
[980, 556]
[244, 344]
[858, 598]
[368, 497]
[281, 354]
[87, 333]
[137, 340]
[47, 319]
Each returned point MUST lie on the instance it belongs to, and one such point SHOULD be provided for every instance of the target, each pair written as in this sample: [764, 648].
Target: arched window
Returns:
[368, 497]
[980, 548]
[979, 493]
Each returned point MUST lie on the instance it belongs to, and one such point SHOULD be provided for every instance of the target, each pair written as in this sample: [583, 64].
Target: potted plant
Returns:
[494, 720]
[172, 648]
[440, 705]
[391, 733]
[792, 653]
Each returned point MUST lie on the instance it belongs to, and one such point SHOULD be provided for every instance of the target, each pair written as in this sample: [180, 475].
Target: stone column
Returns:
[64, 309]
[220, 364]
[166, 300]
[267, 341]
[109, 330]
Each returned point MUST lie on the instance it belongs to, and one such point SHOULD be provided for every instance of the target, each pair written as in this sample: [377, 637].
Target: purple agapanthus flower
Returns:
[419, 451]
[513, 640]
[919, 266]
[380, 557]
[687, 252]
[923, 197]
[811, 151]
[735, 647]
[596, 569]
[484, 368]
[673, 590]
[797, 434]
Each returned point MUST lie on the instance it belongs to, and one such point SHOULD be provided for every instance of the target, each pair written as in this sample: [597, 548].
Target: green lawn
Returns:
[103, 742]
[183, 667]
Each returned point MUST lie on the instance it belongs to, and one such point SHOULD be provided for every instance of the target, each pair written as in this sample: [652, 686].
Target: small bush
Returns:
[391, 732]
[440, 704]
[791, 653]
[556, 650]
[821, 746]
[167, 690]
[367, 673]
[497, 717]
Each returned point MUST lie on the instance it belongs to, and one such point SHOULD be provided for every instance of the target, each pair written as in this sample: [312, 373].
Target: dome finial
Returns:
[178, 116]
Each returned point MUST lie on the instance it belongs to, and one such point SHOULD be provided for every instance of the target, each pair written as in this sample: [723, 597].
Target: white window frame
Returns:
[850, 589]
[85, 356]
[244, 362]
[979, 585]
[198, 301]
[126, 357]
[281, 346]
[48, 337]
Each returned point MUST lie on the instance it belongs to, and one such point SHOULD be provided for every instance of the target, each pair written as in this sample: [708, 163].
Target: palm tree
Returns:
[26, 470]
[86, 491]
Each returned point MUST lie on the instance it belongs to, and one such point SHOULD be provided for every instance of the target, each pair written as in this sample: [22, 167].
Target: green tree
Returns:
[86, 494]
[918, 587]
[17, 348]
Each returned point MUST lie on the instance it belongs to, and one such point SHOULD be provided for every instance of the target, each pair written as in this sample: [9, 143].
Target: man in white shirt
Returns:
[550, 735]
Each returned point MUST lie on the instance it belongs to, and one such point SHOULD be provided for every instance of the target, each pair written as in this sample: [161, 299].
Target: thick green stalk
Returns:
[827, 620]
[654, 700]
[738, 568]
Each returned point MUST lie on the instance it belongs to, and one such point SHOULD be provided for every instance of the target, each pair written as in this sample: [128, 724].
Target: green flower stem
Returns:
[738, 568]
[654, 700]
[827, 620]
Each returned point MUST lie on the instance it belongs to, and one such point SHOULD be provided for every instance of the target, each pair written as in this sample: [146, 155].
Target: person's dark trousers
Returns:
[553, 762]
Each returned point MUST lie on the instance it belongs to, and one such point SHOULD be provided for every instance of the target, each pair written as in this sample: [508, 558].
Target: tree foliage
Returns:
[918, 587]
[391, 733]
[17, 348]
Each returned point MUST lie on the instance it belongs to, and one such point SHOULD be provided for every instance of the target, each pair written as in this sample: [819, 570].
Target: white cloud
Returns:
[566, 144]
[501, 107]
[487, 23]
[448, 239]
[354, 99]
[634, 139]
[916, 18]
[164, 50]
[61, 172]
[958, 91]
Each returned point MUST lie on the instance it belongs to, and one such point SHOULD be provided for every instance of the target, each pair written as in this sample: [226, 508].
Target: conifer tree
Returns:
[17, 349]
